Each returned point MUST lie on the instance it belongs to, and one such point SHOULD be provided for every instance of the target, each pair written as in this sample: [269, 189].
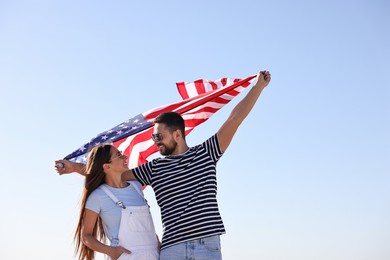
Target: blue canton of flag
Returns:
[123, 130]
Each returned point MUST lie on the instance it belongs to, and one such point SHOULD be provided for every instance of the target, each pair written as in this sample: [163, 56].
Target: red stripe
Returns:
[199, 85]
[213, 85]
[224, 81]
[181, 87]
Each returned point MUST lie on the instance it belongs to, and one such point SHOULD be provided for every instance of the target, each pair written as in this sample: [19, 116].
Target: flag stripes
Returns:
[202, 99]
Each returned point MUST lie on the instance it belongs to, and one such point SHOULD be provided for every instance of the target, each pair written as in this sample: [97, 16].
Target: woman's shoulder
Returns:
[97, 193]
[94, 200]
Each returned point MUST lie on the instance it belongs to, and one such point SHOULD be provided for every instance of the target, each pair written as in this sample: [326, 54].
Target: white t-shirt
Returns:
[110, 213]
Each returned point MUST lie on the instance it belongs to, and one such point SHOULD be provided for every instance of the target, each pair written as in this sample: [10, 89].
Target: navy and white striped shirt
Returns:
[185, 186]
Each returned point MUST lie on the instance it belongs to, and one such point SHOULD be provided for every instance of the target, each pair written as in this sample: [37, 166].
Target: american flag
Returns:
[201, 99]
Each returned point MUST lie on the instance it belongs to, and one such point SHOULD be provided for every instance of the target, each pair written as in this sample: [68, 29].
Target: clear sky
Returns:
[307, 175]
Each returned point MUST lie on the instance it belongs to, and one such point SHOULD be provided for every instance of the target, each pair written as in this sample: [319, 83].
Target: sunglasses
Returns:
[122, 156]
[157, 137]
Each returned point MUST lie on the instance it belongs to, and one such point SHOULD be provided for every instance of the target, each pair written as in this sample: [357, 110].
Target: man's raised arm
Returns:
[241, 110]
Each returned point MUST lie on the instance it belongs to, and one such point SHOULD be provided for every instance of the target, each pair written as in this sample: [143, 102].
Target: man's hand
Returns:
[263, 78]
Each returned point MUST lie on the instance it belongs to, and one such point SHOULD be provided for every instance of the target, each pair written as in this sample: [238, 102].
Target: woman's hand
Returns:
[66, 167]
[117, 251]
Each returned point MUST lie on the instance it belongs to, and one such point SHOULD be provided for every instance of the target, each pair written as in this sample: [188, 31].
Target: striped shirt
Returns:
[185, 186]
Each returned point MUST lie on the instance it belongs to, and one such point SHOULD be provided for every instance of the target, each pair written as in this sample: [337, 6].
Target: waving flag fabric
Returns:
[202, 99]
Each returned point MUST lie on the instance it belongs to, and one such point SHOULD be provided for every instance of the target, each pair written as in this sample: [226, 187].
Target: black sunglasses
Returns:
[157, 137]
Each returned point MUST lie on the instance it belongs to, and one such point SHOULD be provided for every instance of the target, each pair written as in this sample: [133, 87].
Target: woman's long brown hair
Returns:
[95, 177]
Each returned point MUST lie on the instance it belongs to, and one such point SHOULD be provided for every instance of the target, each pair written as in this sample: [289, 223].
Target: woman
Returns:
[113, 209]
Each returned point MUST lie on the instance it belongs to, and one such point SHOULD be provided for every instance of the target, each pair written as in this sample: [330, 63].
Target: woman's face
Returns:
[118, 161]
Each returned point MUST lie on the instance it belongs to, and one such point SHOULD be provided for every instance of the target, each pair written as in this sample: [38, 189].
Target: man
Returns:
[184, 181]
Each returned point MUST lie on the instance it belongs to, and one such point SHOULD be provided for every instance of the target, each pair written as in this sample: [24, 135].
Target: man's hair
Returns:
[172, 120]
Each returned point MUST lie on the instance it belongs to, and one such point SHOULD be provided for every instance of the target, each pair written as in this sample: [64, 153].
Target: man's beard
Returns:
[168, 150]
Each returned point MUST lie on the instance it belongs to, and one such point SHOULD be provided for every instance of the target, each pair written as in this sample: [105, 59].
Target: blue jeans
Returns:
[208, 248]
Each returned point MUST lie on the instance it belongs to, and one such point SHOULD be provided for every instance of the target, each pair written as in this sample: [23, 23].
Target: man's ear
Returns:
[178, 134]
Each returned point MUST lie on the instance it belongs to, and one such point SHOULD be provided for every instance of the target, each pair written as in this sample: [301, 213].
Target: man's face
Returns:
[164, 139]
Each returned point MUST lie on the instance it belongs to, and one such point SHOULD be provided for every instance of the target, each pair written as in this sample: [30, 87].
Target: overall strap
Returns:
[138, 190]
[112, 196]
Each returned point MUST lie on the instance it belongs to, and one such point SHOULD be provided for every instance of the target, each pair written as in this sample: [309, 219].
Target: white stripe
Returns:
[207, 86]
[197, 116]
[191, 89]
